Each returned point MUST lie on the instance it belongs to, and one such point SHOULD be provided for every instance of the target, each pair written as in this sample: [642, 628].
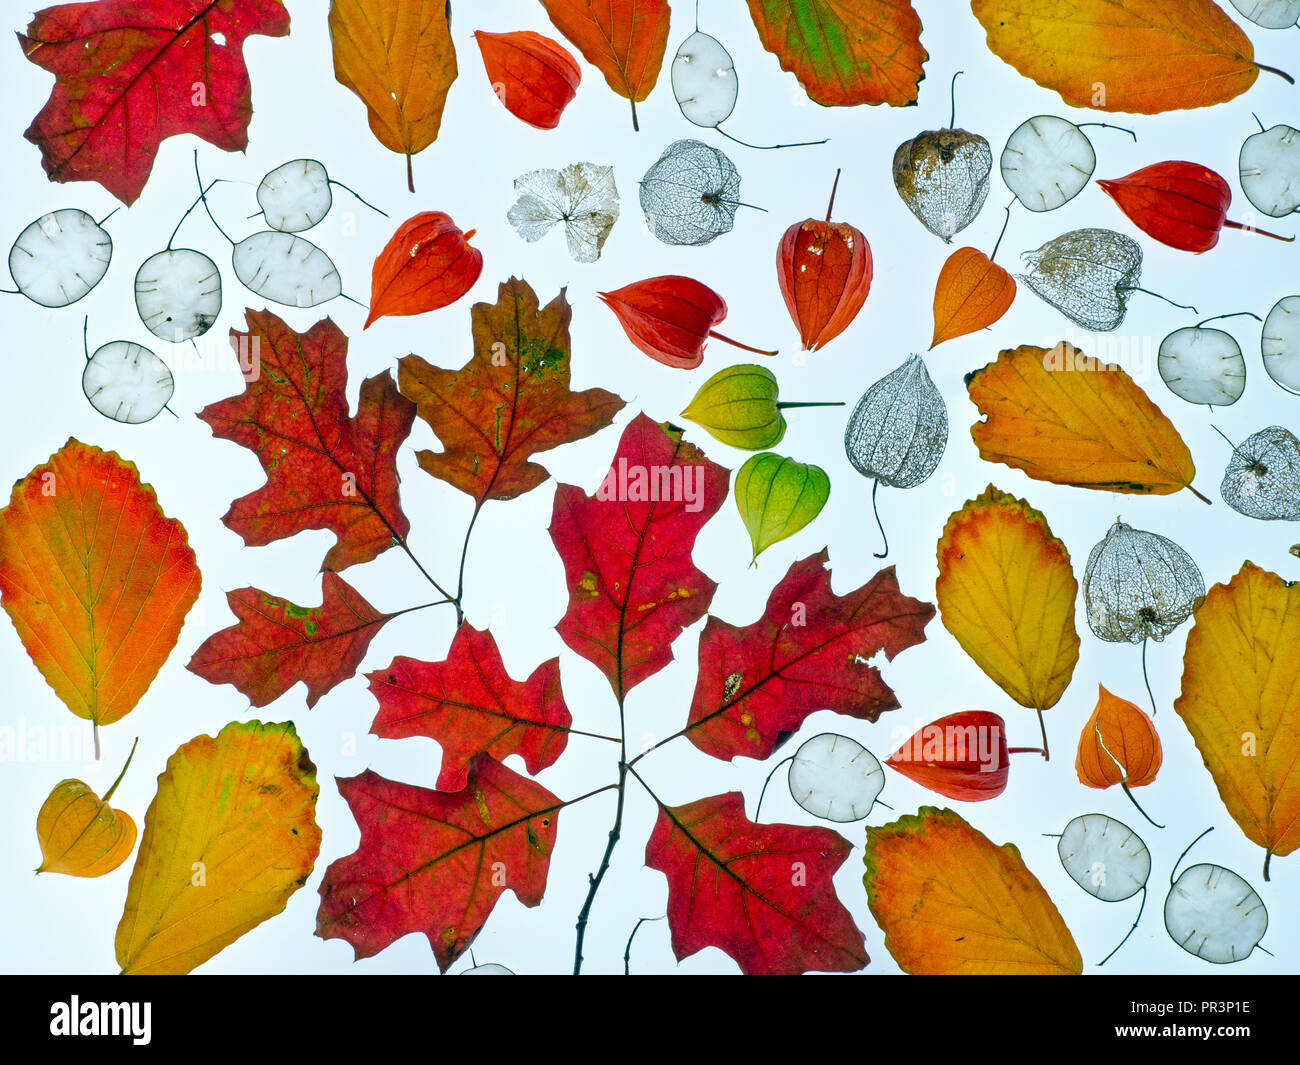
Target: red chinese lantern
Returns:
[1181, 204]
[963, 756]
[670, 318]
[533, 76]
[824, 269]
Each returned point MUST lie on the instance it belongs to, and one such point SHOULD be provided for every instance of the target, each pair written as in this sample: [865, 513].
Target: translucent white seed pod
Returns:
[178, 294]
[127, 382]
[60, 257]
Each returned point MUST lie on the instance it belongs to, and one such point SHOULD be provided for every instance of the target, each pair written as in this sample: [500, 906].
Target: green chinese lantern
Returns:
[777, 497]
[739, 406]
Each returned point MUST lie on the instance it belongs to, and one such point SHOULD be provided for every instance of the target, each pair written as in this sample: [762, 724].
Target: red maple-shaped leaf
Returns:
[761, 893]
[809, 651]
[277, 643]
[627, 552]
[130, 73]
[510, 401]
[469, 704]
[325, 470]
[436, 862]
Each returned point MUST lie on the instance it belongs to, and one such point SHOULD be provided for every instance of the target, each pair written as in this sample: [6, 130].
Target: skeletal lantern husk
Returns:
[1139, 585]
[1269, 166]
[943, 177]
[1270, 14]
[80, 834]
[1213, 913]
[295, 195]
[178, 294]
[1046, 162]
[127, 382]
[899, 429]
[1202, 366]
[1279, 343]
[286, 268]
[835, 777]
[690, 195]
[777, 496]
[738, 406]
[1263, 476]
[60, 257]
[704, 80]
[1087, 275]
[583, 196]
[1104, 857]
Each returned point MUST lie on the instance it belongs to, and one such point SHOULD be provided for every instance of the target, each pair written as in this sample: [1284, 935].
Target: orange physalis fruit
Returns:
[1118, 745]
[972, 292]
[533, 76]
[79, 833]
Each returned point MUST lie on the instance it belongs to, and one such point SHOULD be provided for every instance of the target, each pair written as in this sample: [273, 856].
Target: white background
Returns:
[515, 578]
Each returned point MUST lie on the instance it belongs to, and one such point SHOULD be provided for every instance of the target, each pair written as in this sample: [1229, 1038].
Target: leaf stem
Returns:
[627, 953]
[109, 794]
[636, 126]
[1124, 785]
[834, 188]
[1228, 223]
[464, 551]
[825, 403]
[738, 344]
[879, 524]
[410, 175]
[1042, 728]
[1280, 73]
[595, 880]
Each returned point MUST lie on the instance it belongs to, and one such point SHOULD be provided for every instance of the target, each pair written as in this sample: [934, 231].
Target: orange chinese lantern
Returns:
[1118, 745]
[963, 756]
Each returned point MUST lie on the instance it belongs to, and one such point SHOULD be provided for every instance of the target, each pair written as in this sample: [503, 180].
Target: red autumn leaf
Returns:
[469, 704]
[277, 643]
[1181, 204]
[972, 292]
[824, 270]
[763, 894]
[809, 651]
[428, 263]
[131, 73]
[627, 552]
[670, 318]
[963, 756]
[324, 470]
[436, 862]
[624, 39]
[532, 76]
[510, 401]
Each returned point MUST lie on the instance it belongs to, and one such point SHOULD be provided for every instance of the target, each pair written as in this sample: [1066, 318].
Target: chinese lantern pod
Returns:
[961, 756]
[738, 406]
[79, 833]
[534, 77]
[777, 496]
[1118, 745]
[1139, 585]
[824, 269]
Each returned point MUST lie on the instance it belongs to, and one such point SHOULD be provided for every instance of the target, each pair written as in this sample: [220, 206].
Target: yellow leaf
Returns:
[229, 837]
[952, 903]
[398, 57]
[1006, 592]
[1241, 702]
[1069, 419]
[1144, 56]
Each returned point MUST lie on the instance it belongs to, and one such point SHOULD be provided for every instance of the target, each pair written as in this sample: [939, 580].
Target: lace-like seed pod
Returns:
[1139, 586]
[1087, 275]
[1263, 476]
[690, 195]
[899, 429]
[583, 196]
[943, 177]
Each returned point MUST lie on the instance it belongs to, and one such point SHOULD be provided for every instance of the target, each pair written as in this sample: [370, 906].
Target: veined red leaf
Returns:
[433, 861]
[632, 583]
[428, 263]
[763, 894]
[277, 643]
[131, 73]
[532, 76]
[809, 651]
[963, 756]
[470, 705]
[510, 401]
[325, 470]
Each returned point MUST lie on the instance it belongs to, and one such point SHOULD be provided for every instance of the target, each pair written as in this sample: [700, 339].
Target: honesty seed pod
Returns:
[777, 497]
[739, 406]
[60, 257]
[79, 833]
[1269, 167]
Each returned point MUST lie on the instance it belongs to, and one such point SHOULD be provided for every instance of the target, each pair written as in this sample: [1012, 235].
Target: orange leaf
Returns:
[1068, 419]
[532, 76]
[952, 903]
[428, 263]
[624, 39]
[846, 53]
[1145, 56]
[1241, 702]
[398, 57]
[972, 292]
[1119, 745]
[96, 579]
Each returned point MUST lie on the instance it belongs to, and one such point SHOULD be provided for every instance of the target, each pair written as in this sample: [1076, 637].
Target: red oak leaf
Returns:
[809, 651]
[761, 893]
[436, 862]
[469, 704]
[277, 643]
[130, 73]
[324, 469]
[627, 552]
[511, 400]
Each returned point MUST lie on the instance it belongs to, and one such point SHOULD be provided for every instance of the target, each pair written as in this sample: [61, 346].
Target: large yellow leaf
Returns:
[950, 902]
[398, 57]
[1145, 56]
[1241, 702]
[1069, 419]
[229, 837]
[1006, 592]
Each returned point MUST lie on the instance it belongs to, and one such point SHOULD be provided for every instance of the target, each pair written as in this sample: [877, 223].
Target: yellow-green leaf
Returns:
[777, 497]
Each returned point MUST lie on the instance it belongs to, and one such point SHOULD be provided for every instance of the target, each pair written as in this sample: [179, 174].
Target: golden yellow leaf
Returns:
[1144, 56]
[229, 837]
[1006, 592]
[1241, 702]
[1070, 419]
[398, 57]
[79, 833]
[952, 903]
